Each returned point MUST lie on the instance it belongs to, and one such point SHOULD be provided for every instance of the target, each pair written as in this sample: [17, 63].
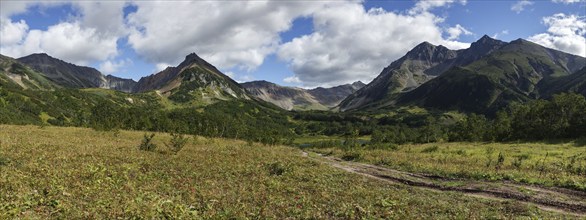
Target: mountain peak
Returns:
[40, 54]
[358, 83]
[486, 40]
[486, 37]
[520, 41]
[483, 46]
[192, 56]
[423, 45]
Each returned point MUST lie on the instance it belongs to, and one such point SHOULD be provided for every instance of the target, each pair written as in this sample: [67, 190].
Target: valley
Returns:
[54, 172]
[493, 131]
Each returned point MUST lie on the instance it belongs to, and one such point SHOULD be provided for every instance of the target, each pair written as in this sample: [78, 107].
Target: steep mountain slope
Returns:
[510, 73]
[421, 64]
[73, 76]
[572, 83]
[193, 81]
[333, 96]
[290, 98]
[16, 75]
[513, 68]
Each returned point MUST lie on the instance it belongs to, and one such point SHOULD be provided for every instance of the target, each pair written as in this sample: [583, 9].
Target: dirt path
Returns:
[550, 199]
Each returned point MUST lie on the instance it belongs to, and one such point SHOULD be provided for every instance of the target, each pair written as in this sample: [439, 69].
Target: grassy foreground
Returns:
[72, 173]
[556, 164]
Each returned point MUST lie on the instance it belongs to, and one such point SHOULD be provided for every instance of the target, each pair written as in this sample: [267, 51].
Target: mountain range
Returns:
[482, 78]
[194, 82]
[74, 76]
[292, 98]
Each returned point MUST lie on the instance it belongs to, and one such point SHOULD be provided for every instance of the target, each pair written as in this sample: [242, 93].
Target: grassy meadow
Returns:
[546, 164]
[79, 173]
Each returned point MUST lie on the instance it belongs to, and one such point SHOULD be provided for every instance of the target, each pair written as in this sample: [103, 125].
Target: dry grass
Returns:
[77, 173]
[558, 164]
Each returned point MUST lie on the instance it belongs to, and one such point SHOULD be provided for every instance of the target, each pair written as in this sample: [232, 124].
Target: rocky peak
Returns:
[358, 84]
[428, 52]
[193, 58]
[486, 45]
[421, 50]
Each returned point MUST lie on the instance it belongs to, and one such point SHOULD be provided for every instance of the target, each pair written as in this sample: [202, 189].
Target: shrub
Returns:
[146, 143]
[488, 153]
[384, 146]
[277, 169]
[461, 152]
[430, 149]
[177, 142]
[500, 161]
[351, 156]
[3, 161]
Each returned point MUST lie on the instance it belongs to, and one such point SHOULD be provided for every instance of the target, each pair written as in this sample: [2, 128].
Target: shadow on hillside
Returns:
[580, 142]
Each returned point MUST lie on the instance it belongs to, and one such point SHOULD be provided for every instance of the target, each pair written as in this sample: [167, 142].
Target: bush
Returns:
[351, 156]
[384, 146]
[147, 144]
[3, 161]
[277, 169]
[177, 142]
[500, 161]
[430, 149]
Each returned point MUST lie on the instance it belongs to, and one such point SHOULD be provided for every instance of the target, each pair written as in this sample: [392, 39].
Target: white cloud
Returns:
[350, 44]
[230, 74]
[110, 67]
[227, 34]
[12, 32]
[497, 35]
[161, 66]
[106, 17]
[565, 33]
[245, 78]
[566, 1]
[67, 41]
[90, 37]
[520, 6]
[292, 79]
[426, 5]
[455, 32]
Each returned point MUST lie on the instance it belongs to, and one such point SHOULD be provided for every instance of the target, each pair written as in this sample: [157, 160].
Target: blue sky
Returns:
[295, 43]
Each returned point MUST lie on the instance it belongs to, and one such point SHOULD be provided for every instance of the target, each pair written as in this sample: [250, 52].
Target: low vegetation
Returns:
[547, 164]
[80, 173]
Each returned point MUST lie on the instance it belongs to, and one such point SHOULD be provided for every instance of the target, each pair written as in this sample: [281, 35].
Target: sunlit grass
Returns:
[559, 164]
[78, 173]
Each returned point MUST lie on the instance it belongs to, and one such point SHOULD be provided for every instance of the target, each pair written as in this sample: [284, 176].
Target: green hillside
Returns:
[13, 74]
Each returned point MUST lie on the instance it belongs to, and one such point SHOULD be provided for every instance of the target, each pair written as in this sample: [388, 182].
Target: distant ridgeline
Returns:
[491, 91]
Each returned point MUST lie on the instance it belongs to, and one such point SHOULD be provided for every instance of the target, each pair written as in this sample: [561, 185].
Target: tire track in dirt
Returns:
[550, 199]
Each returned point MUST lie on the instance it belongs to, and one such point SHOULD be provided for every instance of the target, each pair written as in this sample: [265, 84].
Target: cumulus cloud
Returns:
[9, 8]
[350, 43]
[12, 32]
[92, 36]
[567, 1]
[520, 6]
[227, 34]
[292, 79]
[565, 33]
[455, 32]
[105, 16]
[67, 41]
[426, 5]
[109, 66]
[497, 35]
